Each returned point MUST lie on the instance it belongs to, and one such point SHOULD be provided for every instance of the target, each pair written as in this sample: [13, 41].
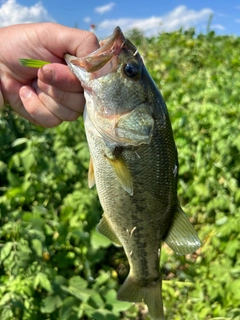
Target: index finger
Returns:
[59, 76]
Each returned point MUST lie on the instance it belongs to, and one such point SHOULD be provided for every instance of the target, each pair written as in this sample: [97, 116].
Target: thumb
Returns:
[60, 40]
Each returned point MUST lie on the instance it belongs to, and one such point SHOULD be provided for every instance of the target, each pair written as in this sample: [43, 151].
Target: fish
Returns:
[134, 165]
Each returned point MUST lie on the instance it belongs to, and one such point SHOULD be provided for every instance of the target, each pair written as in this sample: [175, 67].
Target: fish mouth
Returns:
[102, 61]
[95, 61]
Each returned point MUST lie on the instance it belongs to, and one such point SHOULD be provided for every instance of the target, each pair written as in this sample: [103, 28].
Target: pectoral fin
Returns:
[91, 178]
[181, 237]
[122, 173]
[106, 229]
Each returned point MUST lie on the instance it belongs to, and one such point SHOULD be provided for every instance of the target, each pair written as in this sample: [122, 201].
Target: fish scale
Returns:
[134, 165]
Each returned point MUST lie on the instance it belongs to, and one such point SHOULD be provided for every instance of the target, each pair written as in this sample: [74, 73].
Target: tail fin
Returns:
[151, 294]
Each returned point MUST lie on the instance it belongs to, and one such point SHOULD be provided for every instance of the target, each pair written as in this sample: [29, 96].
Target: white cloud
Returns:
[87, 19]
[12, 12]
[105, 8]
[218, 26]
[180, 17]
[237, 20]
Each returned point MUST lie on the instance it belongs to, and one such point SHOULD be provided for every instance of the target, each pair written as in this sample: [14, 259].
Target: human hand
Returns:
[51, 94]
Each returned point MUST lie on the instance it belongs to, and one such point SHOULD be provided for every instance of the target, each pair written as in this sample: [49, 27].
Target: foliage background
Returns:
[54, 265]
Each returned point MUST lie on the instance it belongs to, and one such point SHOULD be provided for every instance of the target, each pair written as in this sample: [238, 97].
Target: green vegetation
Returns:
[54, 265]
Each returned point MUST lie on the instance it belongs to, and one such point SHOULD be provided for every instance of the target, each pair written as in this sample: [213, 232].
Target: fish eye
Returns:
[131, 69]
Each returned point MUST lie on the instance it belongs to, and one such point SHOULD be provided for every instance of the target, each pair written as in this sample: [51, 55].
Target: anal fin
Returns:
[106, 229]
[182, 237]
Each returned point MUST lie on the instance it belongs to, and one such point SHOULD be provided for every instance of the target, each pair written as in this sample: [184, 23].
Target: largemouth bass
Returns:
[134, 164]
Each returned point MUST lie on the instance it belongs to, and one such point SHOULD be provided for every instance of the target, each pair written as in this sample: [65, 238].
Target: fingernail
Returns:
[48, 74]
[25, 93]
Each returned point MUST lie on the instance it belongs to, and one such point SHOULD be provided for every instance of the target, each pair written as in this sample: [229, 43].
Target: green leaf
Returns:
[14, 180]
[5, 299]
[118, 306]
[69, 309]
[78, 282]
[42, 280]
[221, 221]
[232, 247]
[28, 159]
[5, 251]
[19, 141]
[78, 288]
[101, 279]
[100, 314]
[96, 300]
[6, 314]
[81, 294]
[32, 63]
[50, 304]
[99, 241]
[37, 247]
[3, 167]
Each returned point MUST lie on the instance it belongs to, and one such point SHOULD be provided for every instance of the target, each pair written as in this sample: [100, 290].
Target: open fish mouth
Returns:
[96, 60]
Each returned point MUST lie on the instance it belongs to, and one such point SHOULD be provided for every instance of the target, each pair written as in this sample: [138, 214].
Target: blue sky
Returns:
[151, 16]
